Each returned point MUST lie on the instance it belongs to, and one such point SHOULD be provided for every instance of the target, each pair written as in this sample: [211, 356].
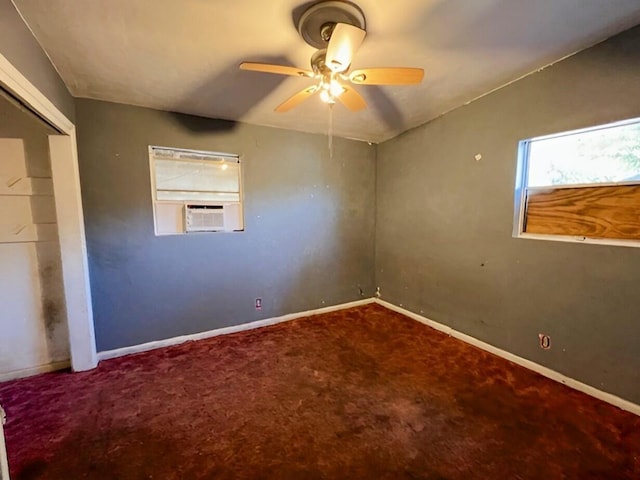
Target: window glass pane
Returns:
[199, 176]
[601, 155]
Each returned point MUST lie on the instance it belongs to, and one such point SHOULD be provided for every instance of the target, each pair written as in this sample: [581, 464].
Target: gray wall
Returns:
[308, 239]
[444, 245]
[20, 47]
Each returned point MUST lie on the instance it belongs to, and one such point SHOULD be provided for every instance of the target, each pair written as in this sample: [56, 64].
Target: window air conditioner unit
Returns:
[213, 218]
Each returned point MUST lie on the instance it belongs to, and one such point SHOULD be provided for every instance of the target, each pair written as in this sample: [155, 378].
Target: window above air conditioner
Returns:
[195, 191]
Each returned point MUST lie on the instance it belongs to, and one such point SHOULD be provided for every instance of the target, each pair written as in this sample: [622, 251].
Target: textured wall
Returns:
[20, 47]
[444, 245]
[308, 239]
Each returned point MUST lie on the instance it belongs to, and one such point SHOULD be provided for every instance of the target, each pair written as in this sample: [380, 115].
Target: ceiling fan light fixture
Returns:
[330, 90]
[326, 97]
[336, 89]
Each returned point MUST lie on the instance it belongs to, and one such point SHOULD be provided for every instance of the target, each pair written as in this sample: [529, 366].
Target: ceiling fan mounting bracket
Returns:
[326, 30]
[317, 22]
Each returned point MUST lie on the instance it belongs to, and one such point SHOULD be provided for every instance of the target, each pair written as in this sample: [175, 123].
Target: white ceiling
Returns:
[183, 55]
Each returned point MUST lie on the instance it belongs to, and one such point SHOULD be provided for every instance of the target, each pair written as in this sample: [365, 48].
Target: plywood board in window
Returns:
[595, 212]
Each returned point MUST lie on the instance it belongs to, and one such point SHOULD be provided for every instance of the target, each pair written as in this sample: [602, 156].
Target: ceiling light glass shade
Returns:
[326, 97]
[335, 89]
[330, 89]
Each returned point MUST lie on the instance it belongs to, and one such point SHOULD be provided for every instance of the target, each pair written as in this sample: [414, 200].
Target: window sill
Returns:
[574, 239]
[195, 234]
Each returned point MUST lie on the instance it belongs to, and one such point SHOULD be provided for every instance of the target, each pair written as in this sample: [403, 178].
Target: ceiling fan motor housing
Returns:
[317, 22]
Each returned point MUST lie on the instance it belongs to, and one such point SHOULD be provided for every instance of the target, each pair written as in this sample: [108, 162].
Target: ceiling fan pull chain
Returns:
[331, 130]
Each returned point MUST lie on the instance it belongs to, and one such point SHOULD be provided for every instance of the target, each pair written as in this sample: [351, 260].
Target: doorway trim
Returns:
[66, 184]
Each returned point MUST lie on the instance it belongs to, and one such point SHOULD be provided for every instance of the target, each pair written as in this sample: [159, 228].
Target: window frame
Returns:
[154, 199]
[521, 189]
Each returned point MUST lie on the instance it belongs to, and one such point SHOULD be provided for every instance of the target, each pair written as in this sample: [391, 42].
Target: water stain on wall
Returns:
[51, 311]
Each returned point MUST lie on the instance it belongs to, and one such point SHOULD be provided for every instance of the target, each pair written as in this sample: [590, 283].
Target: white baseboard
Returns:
[28, 372]
[523, 362]
[544, 371]
[143, 347]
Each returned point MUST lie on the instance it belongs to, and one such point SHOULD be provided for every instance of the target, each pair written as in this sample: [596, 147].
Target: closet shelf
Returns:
[26, 186]
[28, 232]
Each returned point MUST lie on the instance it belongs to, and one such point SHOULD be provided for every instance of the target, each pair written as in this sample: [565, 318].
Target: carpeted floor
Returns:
[360, 394]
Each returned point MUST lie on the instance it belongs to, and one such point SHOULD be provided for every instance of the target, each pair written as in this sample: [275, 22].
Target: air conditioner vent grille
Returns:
[204, 218]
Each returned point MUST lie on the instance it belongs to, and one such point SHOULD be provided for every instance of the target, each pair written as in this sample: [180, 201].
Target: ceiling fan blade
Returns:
[343, 44]
[387, 76]
[297, 99]
[351, 99]
[278, 69]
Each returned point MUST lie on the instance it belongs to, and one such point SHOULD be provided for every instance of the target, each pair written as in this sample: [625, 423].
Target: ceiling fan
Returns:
[336, 29]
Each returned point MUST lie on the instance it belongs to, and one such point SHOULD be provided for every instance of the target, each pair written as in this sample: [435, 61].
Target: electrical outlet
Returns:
[258, 304]
[545, 341]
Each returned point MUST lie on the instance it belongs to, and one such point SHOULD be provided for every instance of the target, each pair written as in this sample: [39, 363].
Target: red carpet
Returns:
[359, 394]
